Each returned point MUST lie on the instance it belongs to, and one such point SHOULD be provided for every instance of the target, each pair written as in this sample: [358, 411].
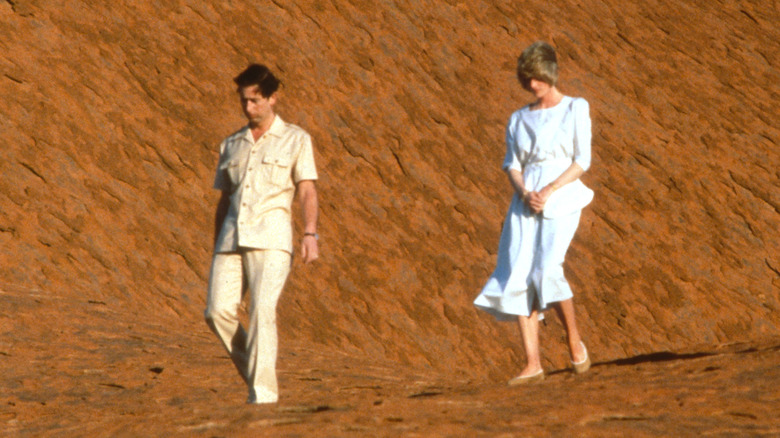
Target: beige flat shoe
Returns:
[525, 380]
[583, 365]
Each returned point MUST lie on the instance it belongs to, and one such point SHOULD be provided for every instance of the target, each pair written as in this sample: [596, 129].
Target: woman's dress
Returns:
[541, 144]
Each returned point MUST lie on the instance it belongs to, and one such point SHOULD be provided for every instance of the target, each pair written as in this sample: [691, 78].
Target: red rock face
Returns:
[111, 117]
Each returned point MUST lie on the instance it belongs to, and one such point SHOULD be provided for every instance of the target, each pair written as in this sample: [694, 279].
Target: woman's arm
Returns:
[573, 173]
[516, 179]
[536, 200]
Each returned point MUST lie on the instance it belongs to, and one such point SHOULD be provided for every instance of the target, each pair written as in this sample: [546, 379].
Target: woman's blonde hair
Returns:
[539, 62]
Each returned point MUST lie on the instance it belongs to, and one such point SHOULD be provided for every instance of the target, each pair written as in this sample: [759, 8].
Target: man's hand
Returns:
[309, 249]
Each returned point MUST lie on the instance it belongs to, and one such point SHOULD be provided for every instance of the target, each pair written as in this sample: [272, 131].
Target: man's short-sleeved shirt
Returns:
[260, 178]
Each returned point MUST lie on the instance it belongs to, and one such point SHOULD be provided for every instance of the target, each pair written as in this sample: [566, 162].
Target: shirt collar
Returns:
[276, 129]
[277, 126]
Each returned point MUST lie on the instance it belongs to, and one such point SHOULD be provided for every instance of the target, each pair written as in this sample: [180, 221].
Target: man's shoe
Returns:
[255, 401]
[261, 397]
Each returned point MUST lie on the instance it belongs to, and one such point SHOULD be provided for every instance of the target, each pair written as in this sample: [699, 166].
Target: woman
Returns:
[548, 149]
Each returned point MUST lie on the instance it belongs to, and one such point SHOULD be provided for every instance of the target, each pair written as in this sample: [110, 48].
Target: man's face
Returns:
[257, 108]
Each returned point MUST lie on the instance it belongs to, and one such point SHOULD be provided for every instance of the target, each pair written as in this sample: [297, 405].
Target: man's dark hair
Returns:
[258, 74]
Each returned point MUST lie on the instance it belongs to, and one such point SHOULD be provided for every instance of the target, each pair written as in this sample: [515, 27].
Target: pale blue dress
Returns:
[529, 270]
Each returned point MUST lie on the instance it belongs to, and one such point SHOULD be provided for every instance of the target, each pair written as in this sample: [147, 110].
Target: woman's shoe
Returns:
[525, 380]
[583, 365]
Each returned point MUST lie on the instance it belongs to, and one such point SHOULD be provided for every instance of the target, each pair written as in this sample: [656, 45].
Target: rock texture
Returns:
[109, 125]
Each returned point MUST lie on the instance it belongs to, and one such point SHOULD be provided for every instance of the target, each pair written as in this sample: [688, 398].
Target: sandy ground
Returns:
[117, 375]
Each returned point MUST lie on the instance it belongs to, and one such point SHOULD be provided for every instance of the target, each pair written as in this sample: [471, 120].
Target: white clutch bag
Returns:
[568, 199]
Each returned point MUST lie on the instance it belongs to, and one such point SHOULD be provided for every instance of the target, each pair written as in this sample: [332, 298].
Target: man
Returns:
[260, 169]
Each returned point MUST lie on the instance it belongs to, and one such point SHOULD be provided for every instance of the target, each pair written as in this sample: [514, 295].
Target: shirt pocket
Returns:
[277, 168]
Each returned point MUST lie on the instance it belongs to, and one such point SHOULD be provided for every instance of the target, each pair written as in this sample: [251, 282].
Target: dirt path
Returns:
[116, 375]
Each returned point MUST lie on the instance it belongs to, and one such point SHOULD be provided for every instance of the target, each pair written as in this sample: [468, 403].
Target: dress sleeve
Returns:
[582, 134]
[511, 160]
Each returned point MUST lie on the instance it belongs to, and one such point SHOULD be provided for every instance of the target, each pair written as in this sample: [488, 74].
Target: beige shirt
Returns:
[260, 178]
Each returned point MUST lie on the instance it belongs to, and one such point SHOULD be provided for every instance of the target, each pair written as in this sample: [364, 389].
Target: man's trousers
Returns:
[253, 350]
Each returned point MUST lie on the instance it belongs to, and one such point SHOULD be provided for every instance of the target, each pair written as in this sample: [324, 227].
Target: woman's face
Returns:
[538, 88]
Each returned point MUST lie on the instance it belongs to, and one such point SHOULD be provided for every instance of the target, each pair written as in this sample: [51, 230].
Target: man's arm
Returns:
[222, 211]
[307, 194]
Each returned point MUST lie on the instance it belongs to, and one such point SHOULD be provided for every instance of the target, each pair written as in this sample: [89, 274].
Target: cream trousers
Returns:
[253, 350]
